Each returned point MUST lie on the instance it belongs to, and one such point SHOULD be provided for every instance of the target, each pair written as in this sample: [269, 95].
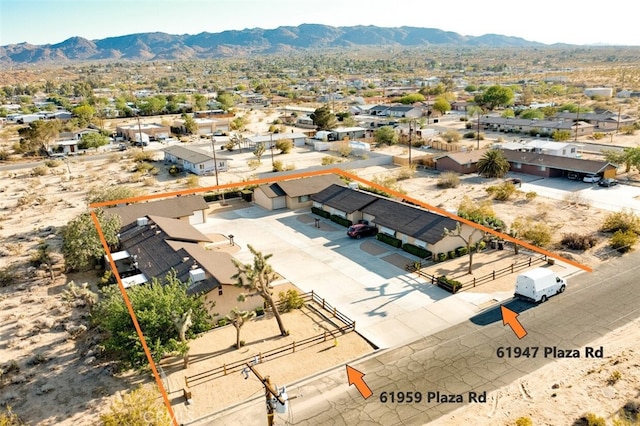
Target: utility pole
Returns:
[575, 138]
[410, 139]
[140, 130]
[270, 394]
[478, 130]
[271, 146]
[215, 165]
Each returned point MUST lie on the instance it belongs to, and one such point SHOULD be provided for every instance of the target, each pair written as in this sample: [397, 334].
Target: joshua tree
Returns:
[257, 278]
[238, 318]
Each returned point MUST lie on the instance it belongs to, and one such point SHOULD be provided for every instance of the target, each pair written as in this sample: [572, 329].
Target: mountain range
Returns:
[163, 46]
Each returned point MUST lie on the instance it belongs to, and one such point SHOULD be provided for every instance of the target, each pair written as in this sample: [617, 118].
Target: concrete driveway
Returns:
[364, 278]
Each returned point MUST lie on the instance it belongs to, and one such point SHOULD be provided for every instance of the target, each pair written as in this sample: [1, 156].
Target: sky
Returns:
[545, 21]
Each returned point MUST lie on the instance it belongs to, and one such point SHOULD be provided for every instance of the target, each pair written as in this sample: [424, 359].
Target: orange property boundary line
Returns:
[337, 171]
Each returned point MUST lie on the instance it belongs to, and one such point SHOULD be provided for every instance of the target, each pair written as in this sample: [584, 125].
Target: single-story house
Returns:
[462, 162]
[521, 125]
[342, 133]
[194, 160]
[404, 111]
[531, 163]
[188, 208]
[343, 201]
[603, 122]
[250, 142]
[153, 130]
[153, 246]
[408, 223]
[563, 149]
[206, 126]
[294, 193]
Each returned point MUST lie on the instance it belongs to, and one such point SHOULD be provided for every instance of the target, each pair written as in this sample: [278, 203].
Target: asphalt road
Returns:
[462, 358]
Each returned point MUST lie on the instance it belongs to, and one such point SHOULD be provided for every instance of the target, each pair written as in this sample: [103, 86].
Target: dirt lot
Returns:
[52, 371]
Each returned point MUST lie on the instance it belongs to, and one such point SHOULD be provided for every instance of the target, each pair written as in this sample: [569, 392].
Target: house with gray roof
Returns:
[154, 246]
[408, 223]
[194, 160]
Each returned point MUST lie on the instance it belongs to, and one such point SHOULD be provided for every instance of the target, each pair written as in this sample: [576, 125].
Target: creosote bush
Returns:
[448, 180]
[575, 241]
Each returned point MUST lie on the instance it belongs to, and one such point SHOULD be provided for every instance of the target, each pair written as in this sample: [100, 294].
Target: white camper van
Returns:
[537, 285]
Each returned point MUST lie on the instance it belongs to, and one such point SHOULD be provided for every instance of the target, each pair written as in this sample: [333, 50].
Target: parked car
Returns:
[572, 176]
[608, 182]
[591, 178]
[360, 230]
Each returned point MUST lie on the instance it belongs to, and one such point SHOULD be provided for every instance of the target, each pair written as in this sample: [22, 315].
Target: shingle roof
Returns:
[556, 161]
[464, 157]
[179, 230]
[174, 208]
[415, 222]
[343, 198]
[308, 186]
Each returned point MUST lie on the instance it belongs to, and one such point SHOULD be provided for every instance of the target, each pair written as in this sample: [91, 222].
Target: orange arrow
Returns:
[356, 378]
[510, 318]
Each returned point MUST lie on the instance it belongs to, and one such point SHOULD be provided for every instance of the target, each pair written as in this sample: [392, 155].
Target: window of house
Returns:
[517, 166]
[201, 166]
[220, 291]
[303, 198]
[542, 168]
[573, 150]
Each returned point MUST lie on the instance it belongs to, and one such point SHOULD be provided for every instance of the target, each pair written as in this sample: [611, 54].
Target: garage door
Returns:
[197, 217]
[279, 203]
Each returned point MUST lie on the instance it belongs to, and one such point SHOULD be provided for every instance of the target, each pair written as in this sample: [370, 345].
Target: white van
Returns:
[537, 285]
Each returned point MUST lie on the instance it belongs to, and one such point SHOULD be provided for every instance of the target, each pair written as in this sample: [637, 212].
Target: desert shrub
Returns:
[529, 196]
[469, 135]
[253, 164]
[140, 156]
[591, 419]
[448, 180]
[502, 192]
[614, 378]
[461, 251]
[623, 241]
[452, 254]
[328, 159]
[534, 232]
[621, 221]
[222, 322]
[451, 136]
[289, 301]
[575, 241]
[192, 181]
[284, 145]
[138, 407]
[598, 135]
[631, 411]
[278, 166]
[406, 172]
[52, 163]
[259, 311]
[344, 149]
[9, 418]
[320, 212]
[4, 155]
[110, 193]
[39, 171]
[524, 421]
[442, 257]
[8, 275]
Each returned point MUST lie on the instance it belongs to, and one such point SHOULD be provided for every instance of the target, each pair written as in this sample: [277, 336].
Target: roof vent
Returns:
[142, 221]
[196, 275]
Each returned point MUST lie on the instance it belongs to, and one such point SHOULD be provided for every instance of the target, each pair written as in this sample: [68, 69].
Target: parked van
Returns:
[537, 285]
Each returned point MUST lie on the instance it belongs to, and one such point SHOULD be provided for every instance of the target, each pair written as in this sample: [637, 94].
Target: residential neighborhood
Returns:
[197, 235]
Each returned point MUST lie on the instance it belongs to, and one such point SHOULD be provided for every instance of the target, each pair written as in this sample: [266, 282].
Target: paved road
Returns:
[461, 358]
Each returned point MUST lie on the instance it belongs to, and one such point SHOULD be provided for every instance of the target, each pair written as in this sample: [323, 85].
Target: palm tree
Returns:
[257, 278]
[493, 164]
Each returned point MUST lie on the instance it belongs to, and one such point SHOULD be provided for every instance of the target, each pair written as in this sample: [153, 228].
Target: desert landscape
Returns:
[52, 368]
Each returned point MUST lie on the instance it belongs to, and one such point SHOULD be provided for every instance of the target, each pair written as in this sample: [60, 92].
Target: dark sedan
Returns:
[360, 230]
[607, 182]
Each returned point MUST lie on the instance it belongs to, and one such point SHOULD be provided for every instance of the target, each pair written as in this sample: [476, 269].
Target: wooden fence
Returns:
[475, 281]
[313, 301]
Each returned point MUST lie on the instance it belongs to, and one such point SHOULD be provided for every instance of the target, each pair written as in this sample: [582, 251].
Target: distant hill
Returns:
[154, 46]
